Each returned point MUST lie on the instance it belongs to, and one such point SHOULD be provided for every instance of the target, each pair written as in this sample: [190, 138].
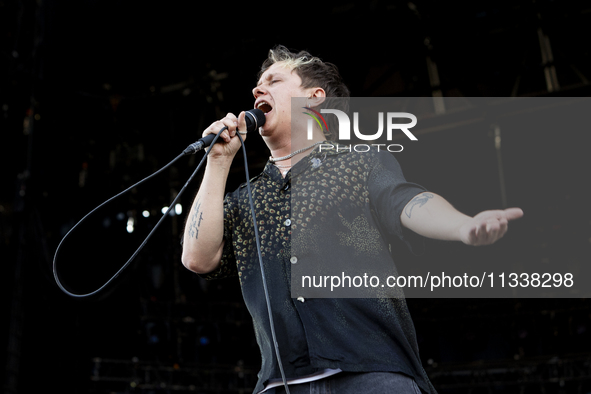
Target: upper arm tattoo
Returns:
[419, 200]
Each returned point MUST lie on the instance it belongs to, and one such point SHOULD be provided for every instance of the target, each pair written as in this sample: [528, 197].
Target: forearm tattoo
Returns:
[195, 221]
[419, 200]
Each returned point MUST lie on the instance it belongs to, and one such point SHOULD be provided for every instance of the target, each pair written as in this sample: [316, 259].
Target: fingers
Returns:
[490, 226]
[489, 231]
[473, 236]
[481, 234]
[503, 227]
[229, 121]
[232, 123]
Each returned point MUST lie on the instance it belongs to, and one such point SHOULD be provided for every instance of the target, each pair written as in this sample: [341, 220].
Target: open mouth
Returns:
[265, 107]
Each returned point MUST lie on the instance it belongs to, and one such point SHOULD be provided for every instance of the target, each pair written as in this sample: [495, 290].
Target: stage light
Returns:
[130, 225]
[146, 214]
[178, 209]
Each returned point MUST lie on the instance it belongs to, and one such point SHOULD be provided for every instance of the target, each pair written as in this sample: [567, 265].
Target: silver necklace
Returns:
[292, 154]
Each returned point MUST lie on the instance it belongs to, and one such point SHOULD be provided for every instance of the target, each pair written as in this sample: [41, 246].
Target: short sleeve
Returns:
[389, 194]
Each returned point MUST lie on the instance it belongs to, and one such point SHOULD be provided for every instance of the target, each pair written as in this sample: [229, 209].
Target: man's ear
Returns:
[316, 97]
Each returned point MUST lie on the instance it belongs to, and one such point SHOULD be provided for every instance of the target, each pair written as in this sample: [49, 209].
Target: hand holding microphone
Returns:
[246, 122]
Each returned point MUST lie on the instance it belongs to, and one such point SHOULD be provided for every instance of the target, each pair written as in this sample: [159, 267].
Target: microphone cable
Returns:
[55, 274]
[265, 289]
[256, 233]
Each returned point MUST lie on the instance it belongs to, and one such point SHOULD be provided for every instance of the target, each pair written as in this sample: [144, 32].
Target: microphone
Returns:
[254, 118]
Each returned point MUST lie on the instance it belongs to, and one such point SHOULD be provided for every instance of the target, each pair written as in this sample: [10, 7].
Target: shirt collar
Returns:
[313, 160]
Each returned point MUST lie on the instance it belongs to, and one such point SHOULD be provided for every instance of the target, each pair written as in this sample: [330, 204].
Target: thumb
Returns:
[513, 213]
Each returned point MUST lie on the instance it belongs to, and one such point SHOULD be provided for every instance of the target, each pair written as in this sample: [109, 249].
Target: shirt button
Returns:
[293, 259]
[301, 299]
[288, 222]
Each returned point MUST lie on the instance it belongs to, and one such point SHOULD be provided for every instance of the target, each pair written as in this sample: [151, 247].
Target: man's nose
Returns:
[258, 91]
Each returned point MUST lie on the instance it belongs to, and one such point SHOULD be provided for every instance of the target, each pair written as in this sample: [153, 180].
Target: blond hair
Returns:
[312, 70]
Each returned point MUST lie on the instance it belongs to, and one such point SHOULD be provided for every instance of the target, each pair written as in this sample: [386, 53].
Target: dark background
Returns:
[96, 94]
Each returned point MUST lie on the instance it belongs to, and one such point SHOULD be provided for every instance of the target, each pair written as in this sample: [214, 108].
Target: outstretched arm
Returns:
[430, 215]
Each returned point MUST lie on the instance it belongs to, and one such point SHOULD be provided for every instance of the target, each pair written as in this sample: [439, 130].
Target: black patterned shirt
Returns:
[361, 196]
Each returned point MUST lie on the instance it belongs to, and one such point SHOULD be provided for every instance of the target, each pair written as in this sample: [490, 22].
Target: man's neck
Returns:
[279, 148]
[286, 146]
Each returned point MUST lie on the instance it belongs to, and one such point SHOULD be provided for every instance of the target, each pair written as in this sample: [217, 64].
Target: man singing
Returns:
[326, 345]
